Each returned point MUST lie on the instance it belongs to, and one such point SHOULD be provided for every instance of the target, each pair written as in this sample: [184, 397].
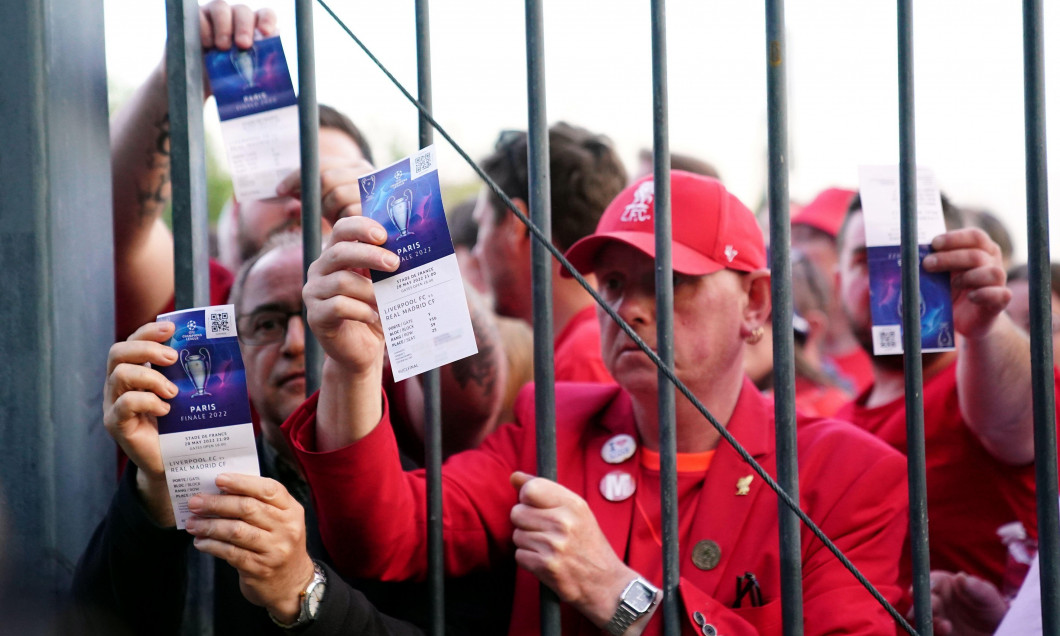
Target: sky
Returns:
[842, 84]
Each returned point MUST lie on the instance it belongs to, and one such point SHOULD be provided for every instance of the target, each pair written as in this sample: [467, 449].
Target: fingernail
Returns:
[195, 503]
[223, 480]
[929, 261]
[170, 355]
[378, 235]
[391, 260]
[190, 524]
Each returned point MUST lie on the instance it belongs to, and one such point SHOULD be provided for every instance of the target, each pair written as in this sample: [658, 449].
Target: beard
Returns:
[863, 333]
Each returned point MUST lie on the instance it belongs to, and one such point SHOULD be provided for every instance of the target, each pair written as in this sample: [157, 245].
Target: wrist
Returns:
[600, 608]
[154, 495]
[299, 604]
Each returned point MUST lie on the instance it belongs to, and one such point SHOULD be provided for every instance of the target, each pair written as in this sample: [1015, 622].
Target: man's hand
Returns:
[977, 278]
[259, 529]
[339, 300]
[559, 541]
[221, 25]
[340, 192]
[963, 605]
[133, 398]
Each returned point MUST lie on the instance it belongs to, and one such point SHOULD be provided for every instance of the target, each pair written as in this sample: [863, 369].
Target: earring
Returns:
[756, 335]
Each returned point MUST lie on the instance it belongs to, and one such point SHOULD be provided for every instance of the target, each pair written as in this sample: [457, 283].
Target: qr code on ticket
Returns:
[887, 339]
[220, 323]
[423, 162]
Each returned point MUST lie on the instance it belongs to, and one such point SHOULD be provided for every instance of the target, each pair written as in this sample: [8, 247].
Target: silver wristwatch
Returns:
[636, 600]
[310, 598]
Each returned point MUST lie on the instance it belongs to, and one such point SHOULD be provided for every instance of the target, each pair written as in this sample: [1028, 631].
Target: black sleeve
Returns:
[344, 610]
[132, 576]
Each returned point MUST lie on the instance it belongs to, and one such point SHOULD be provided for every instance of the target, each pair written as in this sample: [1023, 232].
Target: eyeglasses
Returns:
[266, 327]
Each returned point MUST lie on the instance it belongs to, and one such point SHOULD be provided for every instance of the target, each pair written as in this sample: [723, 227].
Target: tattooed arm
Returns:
[472, 388]
[143, 245]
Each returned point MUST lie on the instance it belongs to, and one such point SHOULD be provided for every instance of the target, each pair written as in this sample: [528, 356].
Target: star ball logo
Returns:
[191, 327]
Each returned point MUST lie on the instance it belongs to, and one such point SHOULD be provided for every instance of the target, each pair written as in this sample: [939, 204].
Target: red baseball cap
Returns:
[712, 229]
[826, 212]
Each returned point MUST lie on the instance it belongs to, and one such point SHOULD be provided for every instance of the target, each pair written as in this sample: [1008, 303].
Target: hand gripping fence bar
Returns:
[740, 450]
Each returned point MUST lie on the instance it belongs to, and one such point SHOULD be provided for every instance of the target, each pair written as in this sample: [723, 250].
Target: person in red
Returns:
[978, 416]
[593, 535]
[813, 232]
[586, 176]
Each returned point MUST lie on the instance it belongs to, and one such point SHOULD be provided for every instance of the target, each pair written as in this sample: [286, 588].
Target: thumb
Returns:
[977, 591]
[519, 479]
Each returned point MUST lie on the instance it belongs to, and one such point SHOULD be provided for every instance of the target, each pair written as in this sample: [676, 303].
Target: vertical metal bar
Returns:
[540, 190]
[190, 219]
[431, 384]
[184, 73]
[664, 316]
[308, 125]
[783, 334]
[1041, 318]
[914, 380]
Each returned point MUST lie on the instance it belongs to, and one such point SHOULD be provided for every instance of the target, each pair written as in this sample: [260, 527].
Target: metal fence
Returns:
[185, 85]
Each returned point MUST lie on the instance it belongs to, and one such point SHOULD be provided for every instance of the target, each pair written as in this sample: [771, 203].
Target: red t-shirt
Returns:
[970, 494]
[815, 400]
[576, 352]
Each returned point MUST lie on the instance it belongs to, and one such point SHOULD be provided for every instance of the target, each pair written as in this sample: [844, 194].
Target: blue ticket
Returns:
[259, 116]
[208, 429]
[422, 305]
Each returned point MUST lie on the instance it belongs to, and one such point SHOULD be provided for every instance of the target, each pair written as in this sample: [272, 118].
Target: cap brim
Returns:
[583, 253]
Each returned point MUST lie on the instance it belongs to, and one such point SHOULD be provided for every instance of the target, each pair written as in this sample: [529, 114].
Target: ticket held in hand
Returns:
[422, 305]
[208, 430]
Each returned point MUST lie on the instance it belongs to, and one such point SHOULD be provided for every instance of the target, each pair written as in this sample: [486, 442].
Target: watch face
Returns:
[314, 599]
[640, 597]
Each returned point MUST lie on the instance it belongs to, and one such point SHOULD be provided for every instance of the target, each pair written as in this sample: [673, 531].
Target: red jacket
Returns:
[372, 514]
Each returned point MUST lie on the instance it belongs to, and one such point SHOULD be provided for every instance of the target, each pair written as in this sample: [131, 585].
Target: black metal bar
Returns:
[432, 441]
[184, 74]
[1041, 315]
[188, 156]
[914, 376]
[783, 334]
[540, 190]
[309, 127]
[664, 321]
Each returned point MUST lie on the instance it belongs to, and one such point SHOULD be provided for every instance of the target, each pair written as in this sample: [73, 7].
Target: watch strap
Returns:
[620, 622]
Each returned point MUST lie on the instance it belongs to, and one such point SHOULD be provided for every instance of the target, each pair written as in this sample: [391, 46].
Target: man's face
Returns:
[497, 262]
[854, 280]
[817, 246]
[275, 370]
[707, 321]
[258, 220]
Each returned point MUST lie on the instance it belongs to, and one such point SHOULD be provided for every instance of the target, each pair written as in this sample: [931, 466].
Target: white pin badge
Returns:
[617, 485]
[618, 449]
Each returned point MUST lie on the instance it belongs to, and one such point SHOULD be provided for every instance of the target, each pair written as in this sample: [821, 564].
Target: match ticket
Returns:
[422, 305]
[880, 201]
[208, 430]
[259, 116]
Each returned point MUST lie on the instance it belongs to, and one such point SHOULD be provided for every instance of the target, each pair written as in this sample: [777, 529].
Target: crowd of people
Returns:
[331, 538]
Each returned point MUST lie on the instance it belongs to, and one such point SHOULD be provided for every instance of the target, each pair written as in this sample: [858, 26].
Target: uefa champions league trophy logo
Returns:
[399, 209]
[368, 183]
[197, 366]
[245, 63]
